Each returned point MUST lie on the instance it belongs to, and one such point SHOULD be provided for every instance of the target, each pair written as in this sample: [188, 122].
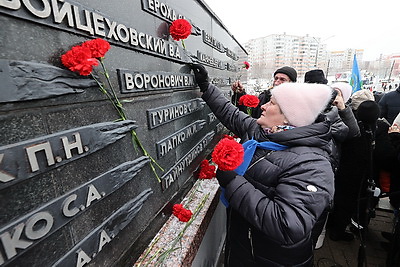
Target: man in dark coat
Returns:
[390, 105]
[276, 202]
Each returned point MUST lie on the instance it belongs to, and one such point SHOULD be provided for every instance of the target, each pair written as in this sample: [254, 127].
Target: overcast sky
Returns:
[370, 25]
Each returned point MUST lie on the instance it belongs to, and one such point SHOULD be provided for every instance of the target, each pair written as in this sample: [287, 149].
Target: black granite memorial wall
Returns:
[74, 190]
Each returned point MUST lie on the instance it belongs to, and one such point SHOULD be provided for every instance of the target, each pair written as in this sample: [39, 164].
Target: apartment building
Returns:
[266, 54]
[340, 61]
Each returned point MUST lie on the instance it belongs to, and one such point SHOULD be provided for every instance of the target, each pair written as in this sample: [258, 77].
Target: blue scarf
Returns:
[249, 149]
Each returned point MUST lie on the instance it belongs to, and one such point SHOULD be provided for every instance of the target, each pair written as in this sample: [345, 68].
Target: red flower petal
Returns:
[207, 171]
[249, 101]
[180, 29]
[176, 209]
[228, 154]
[181, 213]
[185, 215]
[79, 59]
[98, 47]
[204, 163]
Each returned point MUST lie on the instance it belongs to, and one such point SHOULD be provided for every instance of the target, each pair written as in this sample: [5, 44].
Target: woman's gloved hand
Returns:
[201, 76]
[225, 177]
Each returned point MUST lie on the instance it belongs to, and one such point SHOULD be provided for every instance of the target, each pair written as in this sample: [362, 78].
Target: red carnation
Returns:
[176, 209]
[180, 29]
[185, 215]
[241, 101]
[79, 59]
[181, 213]
[99, 47]
[246, 65]
[249, 101]
[207, 171]
[228, 154]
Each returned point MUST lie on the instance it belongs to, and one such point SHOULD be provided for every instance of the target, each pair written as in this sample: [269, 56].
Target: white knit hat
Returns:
[302, 102]
[360, 96]
[345, 88]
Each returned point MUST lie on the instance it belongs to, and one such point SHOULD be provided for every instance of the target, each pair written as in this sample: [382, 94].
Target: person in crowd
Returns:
[274, 205]
[393, 132]
[386, 168]
[340, 114]
[343, 93]
[344, 124]
[315, 76]
[354, 169]
[384, 153]
[377, 95]
[393, 257]
[360, 96]
[344, 127]
[285, 74]
[385, 156]
[390, 105]
[238, 92]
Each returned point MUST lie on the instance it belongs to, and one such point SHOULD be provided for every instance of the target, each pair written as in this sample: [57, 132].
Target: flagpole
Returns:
[391, 69]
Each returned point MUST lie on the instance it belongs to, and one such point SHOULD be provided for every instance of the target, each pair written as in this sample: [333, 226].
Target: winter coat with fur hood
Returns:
[275, 205]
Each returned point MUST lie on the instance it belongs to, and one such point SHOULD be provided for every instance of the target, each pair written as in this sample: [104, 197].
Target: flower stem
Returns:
[183, 44]
[135, 139]
[235, 99]
[149, 249]
[189, 199]
[104, 91]
[153, 257]
[118, 106]
[178, 238]
[249, 110]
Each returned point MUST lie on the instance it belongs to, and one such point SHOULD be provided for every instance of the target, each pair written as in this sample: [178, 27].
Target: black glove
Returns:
[201, 76]
[225, 177]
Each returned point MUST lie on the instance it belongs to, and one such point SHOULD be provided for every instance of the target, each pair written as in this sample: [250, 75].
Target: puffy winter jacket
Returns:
[276, 203]
[390, 105]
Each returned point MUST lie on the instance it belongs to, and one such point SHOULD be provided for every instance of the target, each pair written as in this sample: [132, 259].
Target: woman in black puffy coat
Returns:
[274, 205]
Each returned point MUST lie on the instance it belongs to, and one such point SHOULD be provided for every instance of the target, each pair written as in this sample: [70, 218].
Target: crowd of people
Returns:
[320, 153]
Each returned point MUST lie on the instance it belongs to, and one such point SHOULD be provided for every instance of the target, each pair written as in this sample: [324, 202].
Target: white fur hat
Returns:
[360, 96]
[345, 88]
[302, 102]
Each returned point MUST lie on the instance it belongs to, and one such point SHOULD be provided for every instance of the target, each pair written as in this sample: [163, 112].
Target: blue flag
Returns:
[355, 80]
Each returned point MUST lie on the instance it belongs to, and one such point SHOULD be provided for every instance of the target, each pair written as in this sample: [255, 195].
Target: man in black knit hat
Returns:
[282, 75]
